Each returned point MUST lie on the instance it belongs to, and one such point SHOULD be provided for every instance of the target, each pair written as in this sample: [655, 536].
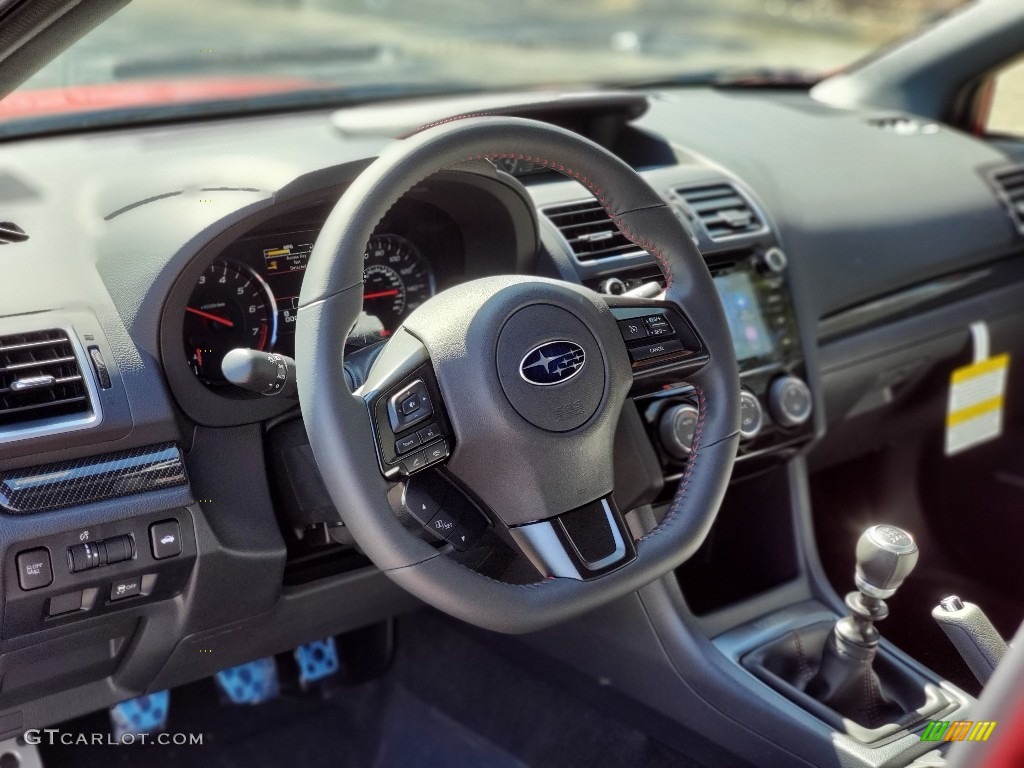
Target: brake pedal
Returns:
[317, 660]
[146, 714]
[251, 683]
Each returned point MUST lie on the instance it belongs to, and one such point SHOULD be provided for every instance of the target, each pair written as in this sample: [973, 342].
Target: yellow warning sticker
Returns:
[975, 412]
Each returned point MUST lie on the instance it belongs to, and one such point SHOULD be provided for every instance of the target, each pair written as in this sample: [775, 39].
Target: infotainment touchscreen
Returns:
[746, 323]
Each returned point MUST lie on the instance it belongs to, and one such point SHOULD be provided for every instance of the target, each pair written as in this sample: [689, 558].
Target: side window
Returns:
[1007, 112]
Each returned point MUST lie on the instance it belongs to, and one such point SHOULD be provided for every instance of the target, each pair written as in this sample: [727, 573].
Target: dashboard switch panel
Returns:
[165, 539]
[34, 569]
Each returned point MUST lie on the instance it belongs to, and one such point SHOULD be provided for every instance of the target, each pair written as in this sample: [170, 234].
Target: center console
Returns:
[746, 643]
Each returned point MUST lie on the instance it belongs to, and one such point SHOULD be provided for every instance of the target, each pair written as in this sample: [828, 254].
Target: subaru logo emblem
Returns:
[552, 363]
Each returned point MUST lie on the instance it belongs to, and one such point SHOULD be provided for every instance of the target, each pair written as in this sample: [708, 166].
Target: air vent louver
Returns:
[11, 233]
[39, 378]
[1010, 184]
[589, 232]
[722, 210]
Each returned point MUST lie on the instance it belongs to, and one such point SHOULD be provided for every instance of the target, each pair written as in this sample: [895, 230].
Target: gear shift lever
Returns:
[846, 681]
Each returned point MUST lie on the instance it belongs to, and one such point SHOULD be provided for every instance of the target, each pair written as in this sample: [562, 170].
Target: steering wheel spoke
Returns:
[406, 408]
[581, 544]
[661, 341]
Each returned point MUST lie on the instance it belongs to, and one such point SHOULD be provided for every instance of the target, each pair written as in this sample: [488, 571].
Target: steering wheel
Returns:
[492, 410]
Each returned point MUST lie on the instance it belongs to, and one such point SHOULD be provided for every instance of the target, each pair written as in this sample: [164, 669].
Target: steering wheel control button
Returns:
[428, 433]
[35, 570]
[677, 428]
[436, 452]
[415, 463]
[165, 539]
[657, 321]
[633, 329]
[649, 351]
[125, 588]
[789, 400]
[751, 415]
[409, 406]
[407, 443]
[423, 496]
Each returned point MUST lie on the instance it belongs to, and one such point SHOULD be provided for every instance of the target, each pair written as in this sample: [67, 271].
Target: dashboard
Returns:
[148, 257]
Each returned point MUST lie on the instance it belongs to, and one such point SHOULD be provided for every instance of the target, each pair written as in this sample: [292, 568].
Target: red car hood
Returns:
[142, 93]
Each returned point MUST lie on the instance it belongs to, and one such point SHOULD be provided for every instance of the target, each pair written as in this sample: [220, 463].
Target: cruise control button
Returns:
[632, 329]
[648, 351]
[407, 443]
[121, 590]
[654, 321]
[34, 569]
[444, 524]
[429, 432]
[414, 463]
[661, 330]
[436, 452]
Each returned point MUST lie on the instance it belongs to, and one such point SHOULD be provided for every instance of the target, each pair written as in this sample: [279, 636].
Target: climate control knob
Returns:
[789, 401]
[677, 428]
[751, 415]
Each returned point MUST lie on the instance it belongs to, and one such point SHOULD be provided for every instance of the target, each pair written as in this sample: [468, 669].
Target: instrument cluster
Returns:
[249, 296]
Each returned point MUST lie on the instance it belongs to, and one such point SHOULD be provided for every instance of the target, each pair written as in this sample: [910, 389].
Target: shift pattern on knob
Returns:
[885, 557]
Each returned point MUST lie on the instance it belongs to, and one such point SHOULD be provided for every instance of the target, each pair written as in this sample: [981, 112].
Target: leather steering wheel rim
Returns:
[341, 434]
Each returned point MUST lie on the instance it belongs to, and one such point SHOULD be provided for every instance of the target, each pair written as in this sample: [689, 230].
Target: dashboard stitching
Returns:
[464, 116]
[690, 465]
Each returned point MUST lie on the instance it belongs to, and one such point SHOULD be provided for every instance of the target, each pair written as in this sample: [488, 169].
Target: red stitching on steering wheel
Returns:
[654, 250]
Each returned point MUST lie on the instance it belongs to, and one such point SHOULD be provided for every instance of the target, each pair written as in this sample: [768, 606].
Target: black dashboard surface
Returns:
[116, 219]
[123, 226]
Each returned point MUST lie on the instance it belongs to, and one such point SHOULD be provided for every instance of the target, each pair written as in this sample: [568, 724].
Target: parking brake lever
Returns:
[972, 634]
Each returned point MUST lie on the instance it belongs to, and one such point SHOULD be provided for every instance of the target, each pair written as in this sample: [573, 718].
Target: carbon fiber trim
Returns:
[94, 478]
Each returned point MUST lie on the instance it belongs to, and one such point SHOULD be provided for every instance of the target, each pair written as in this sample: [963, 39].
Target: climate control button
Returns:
[751, 415]
[789, 401]
[677, 429]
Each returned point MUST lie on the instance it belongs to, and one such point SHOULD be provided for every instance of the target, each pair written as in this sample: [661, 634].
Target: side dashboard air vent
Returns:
[589, 232]
[11, 233]
[40, 378]
[722, 210]
[1010, 186]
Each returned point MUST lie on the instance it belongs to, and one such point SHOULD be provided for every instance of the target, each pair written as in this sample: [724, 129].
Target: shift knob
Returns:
[885, 557]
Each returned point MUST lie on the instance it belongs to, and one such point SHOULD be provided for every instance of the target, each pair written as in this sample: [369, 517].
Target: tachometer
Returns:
[396, 279]
[231, 306]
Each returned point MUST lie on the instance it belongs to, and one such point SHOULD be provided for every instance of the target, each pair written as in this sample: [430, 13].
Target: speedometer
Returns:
[396, 279]
[230, 307]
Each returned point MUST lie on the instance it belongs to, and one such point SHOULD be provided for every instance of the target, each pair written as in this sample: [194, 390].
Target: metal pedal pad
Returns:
[146, 714]
[251, 683]
[317, 660]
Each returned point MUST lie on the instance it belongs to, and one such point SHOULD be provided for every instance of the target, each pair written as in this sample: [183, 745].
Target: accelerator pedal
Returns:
[317, 661]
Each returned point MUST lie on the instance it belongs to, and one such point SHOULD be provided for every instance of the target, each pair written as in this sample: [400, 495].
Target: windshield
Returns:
[258, 53]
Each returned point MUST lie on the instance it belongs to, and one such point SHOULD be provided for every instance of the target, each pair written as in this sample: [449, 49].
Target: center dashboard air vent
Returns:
[722, 210]
[1009, 184]
[40, 378]
[591, 234]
